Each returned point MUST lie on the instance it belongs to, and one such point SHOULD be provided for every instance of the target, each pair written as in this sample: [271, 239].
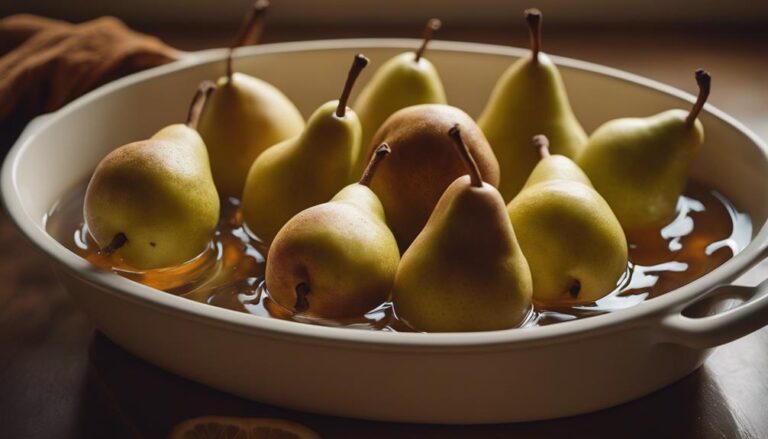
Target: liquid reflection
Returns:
[706, 231]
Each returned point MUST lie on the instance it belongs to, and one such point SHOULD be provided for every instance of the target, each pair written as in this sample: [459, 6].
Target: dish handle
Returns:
[725, 313]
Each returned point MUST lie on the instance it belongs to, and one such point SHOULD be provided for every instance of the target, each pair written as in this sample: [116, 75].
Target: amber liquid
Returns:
[707, 231]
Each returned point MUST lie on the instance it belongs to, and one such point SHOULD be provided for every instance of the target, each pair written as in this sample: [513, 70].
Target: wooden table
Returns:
[61, 379]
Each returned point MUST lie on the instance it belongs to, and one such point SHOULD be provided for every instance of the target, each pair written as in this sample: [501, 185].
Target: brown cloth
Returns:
[46, 63]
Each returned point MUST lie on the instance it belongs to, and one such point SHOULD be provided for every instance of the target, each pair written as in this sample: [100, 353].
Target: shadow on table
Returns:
[127, 397]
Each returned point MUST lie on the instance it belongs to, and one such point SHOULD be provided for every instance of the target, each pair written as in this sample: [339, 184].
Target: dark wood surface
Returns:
[61, 379]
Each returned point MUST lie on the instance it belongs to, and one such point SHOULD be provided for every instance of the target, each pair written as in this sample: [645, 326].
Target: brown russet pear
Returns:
[337, 259]
[305, 170]
[424, 162]
[529, 99]
[573, 242]
[465, 271]
[245, 116]
[641, 165]
[404, 80]
[153, 202]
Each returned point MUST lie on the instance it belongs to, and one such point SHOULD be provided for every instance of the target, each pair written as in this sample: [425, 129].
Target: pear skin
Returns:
[154, 201]
[423, 163]
[465, 271]
[337, 259]
[305, 170]
[641, 165]
[575, 246]
[530, 98]
[244, 117]
[402, 81]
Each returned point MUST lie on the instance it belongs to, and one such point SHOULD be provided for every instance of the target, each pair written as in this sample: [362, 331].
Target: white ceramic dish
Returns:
[500, 376]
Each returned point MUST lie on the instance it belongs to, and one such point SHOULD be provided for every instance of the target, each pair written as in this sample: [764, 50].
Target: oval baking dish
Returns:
[499, 376]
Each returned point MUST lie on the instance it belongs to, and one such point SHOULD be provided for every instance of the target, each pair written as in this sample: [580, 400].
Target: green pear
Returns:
[404, 80]
[307, 169]
[424, 162]
[529, 98]
[573, 242]
[245, 116]
[465, 271]
[153, 202]
[641, 165]
[336, 259]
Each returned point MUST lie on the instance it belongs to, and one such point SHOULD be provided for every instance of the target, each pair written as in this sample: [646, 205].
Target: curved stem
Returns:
[704, 82]
[358, 65]
[541, 143]
[198, 103]
[474, 172]
[432, 26]
[382, 151]
[118, 241]
[250, 31]
[302, 304]
[533, 18]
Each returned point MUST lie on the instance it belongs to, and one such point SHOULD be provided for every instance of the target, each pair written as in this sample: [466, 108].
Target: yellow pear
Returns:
[465, 271]
[402, 81]
[245, 116]
[153, 201]
[336, 259]
[573, 242]
[641, 165]
[305, 170]
[529, 99]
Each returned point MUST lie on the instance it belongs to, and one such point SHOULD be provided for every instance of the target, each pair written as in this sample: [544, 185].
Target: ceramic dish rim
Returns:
[646, 313]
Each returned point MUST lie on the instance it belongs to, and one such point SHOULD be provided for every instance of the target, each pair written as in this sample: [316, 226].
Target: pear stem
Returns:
[541, 143]
[302, 304]
[358, 65]
[250, 31]
[118, 241]
[198, 103]
[432, 26]
[382, 151]
[704, 82]
[474, 172]
[533, 18]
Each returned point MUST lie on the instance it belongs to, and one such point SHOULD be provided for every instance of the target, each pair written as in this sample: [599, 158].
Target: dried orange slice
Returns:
[222, 427]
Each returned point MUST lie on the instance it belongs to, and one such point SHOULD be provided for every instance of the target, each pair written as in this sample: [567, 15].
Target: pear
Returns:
[529, 98]
[153, 202]
[404, 80]
[641, 165]
[573, 242]
[423, 163]
[307, 169]
[465, 271]
[336, 259]
[245, 116]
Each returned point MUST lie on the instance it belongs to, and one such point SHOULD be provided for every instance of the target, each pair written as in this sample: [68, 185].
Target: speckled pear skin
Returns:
[160, 194]
[575, 246]
[465, 271]
[423, 163]
[529, 99]
[341, 250]
[302, 171]
[242, 118]
[400, 82]
[641, 165]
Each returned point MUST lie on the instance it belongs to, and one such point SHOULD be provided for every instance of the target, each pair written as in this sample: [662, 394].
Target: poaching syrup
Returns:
[707, 231]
